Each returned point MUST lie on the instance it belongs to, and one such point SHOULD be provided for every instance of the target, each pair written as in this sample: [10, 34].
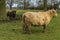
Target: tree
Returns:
[10, 2]
[27, 3]
[45, 5]
[2, 9]
[55, 4]
[40, 4]
[24, 4]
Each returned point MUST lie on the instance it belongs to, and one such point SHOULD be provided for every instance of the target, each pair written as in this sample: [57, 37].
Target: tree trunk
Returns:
[45, 5]
[24, 5]
[2, 9]
[11, 4]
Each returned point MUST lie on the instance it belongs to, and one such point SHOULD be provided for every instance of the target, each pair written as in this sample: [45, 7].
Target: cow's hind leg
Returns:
[24, 28]
[24, 31]
[29, 29]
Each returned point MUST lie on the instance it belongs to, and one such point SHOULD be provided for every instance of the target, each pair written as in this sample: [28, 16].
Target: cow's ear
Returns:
[15, 11]
[52, 12]
[56, 10]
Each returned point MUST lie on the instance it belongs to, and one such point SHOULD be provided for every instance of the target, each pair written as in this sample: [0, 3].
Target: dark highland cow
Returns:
[11, 14]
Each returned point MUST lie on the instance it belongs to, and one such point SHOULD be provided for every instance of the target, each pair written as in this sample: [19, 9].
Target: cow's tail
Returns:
[23, 18]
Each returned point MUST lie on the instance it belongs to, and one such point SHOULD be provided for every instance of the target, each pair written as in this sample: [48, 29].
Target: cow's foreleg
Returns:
[44, 27]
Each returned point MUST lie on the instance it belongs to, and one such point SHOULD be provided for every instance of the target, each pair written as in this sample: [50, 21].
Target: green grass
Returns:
[7, 31]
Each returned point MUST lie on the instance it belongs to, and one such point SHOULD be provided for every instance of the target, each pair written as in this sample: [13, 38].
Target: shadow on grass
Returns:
[5, 21]
[20, 31]
[37, 31]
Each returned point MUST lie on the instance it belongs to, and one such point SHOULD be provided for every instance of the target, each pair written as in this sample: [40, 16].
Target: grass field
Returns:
[7, 31]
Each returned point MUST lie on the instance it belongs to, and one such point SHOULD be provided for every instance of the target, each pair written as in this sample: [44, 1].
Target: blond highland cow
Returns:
[38, 19]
